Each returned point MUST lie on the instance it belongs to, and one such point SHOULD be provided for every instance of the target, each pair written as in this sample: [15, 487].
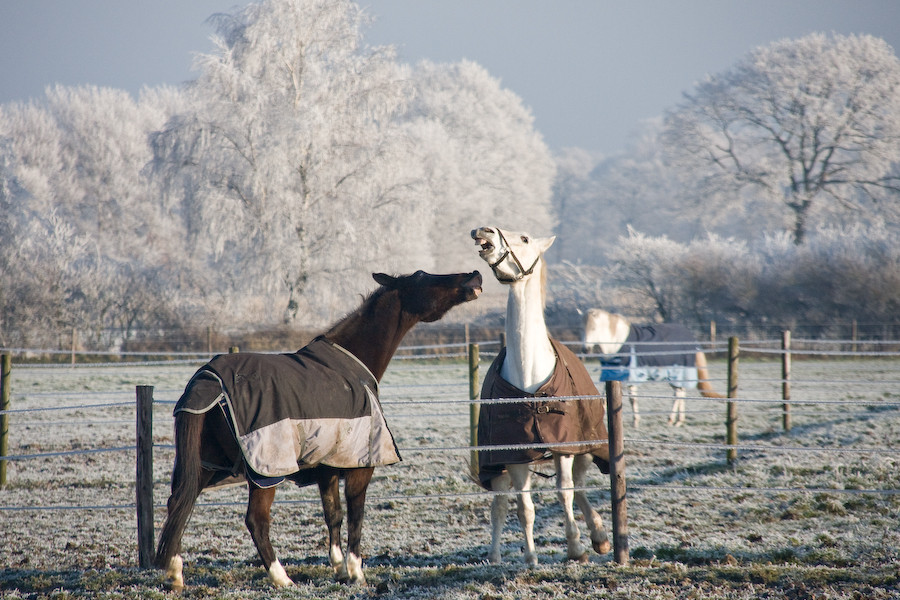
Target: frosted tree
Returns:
[809, 125]
[643, 266]
[582, 223]
[707, 278]
[479, 157]
[840, 273]
[287, 162]
[599, 198]
[71, 169]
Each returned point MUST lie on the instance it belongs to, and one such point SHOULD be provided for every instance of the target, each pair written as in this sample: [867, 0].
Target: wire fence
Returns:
[450, 400]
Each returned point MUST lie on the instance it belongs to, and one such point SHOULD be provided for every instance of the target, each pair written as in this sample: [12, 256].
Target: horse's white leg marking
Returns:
[174, 573]
[677, 415]
[599, 539]
[635, 411]
[564, 484]
[338, 565]
[521, 480]
[278, 575]
[499, 512]
[355, 569]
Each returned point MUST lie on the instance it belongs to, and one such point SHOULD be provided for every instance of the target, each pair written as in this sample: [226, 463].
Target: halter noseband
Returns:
[523, 273]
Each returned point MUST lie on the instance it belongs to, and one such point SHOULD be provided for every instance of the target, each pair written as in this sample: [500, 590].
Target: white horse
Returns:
[530, 362]
[678, 359]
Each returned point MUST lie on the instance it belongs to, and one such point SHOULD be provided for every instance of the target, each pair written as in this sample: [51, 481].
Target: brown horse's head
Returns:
[426, 297]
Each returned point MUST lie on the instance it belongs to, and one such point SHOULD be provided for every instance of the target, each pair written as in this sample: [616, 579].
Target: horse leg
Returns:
[330, 493]
[599, 539]
[180, 501]
[188, 479]
[499, 512]
[564, 485]
[355, 485]
[635, 412]
[521, 481]
[258, 521]
[677, 415]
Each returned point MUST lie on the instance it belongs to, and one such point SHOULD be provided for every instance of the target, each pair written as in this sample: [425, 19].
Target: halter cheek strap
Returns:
[523, 272]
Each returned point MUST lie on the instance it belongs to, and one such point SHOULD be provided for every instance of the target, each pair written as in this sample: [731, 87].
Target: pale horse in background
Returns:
[629, 349]
[530, 365]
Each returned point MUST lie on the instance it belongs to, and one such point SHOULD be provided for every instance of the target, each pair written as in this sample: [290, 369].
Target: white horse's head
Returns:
[606, 330]
[512, 255]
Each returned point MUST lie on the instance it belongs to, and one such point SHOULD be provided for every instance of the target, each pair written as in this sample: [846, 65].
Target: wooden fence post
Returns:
[786, 379]
[731, 417]
[144, 478]
[474, 407]
[5, 376]
[617, 471]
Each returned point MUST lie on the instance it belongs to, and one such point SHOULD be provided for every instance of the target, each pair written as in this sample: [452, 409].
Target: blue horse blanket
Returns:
[656, 352]
[288, 412]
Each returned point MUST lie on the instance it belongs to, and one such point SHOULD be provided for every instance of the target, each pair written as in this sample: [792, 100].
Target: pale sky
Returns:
[590, 70]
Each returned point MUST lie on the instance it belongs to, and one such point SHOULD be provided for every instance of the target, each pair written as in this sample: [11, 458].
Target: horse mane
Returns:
[365, 310]
[543, 282]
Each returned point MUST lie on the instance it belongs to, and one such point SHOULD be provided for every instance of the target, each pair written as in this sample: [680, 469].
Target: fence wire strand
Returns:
[397, 395]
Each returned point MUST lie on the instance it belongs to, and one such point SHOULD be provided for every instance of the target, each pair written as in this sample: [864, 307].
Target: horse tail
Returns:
[185, 485]
[706, 389]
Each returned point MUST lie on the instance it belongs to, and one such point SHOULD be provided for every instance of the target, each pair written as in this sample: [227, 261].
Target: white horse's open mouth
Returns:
[487, 246]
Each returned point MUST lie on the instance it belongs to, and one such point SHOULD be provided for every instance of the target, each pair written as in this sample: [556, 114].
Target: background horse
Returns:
[335, 391]
[534, 365]
[655, 352]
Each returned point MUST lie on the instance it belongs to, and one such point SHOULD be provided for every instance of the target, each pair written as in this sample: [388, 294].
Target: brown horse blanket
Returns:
[548, 421]
[318, 405]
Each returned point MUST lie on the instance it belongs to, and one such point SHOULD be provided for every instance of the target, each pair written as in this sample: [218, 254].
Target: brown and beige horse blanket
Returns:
[550, 421]
[318, 405]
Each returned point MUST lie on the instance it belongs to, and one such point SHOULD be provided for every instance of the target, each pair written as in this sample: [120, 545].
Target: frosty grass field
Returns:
[698, 528]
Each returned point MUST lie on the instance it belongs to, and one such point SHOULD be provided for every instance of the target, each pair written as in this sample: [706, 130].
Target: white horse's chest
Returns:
[528, 374]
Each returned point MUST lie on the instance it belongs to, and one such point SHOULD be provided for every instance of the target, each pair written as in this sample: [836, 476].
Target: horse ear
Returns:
[546, 243]
[384, 279]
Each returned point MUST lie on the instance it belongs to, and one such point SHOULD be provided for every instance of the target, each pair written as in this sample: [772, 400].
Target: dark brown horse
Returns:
[212, 433]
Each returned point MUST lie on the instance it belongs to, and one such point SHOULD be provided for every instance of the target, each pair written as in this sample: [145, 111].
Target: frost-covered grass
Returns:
[698, 527]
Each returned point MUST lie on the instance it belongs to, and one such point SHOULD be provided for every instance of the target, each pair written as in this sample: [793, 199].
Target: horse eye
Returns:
[525, 239]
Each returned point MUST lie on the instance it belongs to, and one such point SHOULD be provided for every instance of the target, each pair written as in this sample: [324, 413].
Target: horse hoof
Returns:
[602, 547]
[584, 558]
[175, 574]
[278, 576]
[346, 579]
